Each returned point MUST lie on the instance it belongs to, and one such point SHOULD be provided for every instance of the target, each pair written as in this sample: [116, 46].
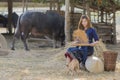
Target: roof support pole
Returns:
[58, 6]
[67, 21]
[54, 5]
[114, 26]
[102, 15]
[106, 17]
[84, 5]
[50, 5]
[10, 6]
[88, 9]
[23, 5]
[26, 3]
[98, 16]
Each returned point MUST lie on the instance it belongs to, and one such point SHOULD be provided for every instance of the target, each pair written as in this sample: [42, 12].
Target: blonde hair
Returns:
[80, 22]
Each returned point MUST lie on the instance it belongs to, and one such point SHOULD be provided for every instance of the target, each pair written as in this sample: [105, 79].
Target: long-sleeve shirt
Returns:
[92, 36]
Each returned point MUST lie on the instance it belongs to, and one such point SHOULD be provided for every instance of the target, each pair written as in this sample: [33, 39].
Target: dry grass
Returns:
[46, 63]
[99, 49]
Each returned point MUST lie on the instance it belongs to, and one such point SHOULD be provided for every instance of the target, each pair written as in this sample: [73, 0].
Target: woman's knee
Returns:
[90, 53]
[71, 49]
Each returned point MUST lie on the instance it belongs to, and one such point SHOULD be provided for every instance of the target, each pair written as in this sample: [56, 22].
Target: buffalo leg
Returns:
[54, 41]
[23, 38]
[13, 44]
[16, 36]
[62, 43]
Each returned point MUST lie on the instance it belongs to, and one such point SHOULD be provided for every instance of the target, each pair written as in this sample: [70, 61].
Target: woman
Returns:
[81, 53]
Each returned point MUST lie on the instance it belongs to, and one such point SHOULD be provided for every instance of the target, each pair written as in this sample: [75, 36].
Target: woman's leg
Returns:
[74, 52]
[85, 54]
[69, 54]
[90, 53]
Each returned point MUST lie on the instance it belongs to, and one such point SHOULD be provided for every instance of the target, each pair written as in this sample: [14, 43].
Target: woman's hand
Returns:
[75, 42]
[94, 43]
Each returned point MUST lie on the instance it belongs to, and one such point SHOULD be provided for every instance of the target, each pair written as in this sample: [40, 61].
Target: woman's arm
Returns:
[94, 43]
[95, 37]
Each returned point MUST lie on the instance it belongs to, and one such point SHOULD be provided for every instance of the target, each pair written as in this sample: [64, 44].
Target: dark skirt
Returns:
[74, 52]
[80, 53]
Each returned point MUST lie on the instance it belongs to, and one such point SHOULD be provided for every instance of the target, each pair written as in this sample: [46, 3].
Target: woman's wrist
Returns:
[94, 43]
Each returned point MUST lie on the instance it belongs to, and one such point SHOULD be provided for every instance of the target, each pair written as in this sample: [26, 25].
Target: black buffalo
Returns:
[50, 24]
[4, 19]
[14, 19]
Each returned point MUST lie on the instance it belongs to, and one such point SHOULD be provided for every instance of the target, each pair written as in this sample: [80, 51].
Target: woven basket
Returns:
[110, 60]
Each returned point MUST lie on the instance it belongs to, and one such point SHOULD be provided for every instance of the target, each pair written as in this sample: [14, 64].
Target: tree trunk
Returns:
[10, 6]
[67, 21]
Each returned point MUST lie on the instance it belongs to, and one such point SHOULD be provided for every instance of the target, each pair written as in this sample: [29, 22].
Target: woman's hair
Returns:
[80, 22]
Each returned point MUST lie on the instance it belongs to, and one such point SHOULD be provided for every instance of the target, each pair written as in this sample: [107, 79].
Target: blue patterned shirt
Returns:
[92, 36]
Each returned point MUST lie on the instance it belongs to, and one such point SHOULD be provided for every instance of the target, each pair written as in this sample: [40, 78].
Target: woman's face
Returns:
[84, 23]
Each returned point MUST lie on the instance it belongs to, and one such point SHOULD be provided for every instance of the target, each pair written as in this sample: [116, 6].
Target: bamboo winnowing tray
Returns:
[80, 36]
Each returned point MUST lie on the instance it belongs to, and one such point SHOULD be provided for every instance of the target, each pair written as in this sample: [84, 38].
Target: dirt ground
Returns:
[43, 62]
